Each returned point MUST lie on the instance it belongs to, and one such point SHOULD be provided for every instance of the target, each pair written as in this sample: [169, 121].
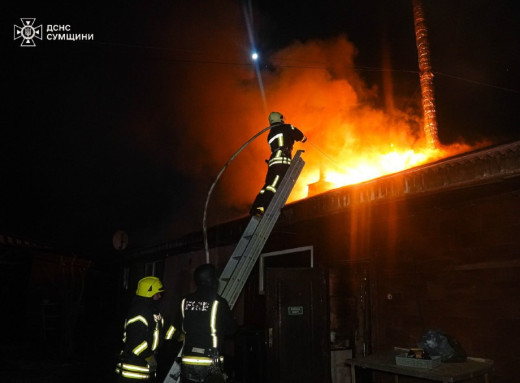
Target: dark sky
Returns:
[129, 130]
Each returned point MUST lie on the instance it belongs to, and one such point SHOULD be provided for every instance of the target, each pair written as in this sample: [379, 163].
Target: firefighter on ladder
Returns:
[281, 139]
[143, 332]
[205, 319]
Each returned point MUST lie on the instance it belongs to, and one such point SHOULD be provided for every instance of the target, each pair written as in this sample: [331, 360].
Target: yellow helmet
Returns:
[275, 117]
[149, 286]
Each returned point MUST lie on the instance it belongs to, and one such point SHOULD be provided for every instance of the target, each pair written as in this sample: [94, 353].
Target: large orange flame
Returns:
[355, 131]
[350, 139]
[376, 162]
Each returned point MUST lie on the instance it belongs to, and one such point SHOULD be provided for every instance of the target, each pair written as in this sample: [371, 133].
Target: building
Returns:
[378, 264]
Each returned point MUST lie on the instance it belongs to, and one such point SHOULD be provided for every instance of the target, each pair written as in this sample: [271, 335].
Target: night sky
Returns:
[129, 130]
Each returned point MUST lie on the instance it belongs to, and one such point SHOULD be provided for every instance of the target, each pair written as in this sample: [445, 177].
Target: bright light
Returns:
[254, 56]
[377, 166]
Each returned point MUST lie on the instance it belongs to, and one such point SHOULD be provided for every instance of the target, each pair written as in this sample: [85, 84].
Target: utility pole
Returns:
[426, 75]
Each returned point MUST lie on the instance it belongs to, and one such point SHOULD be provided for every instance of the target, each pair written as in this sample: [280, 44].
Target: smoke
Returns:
[315, 86]
[215, 105]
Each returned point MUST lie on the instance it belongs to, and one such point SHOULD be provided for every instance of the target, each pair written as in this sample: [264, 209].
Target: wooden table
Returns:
[445, 372]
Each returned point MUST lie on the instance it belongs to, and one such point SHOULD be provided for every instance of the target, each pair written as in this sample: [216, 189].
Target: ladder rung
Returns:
[255, 236]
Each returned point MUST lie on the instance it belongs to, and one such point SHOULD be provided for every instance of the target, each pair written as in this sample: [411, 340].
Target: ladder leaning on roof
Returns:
[245, 255]
[249, 247]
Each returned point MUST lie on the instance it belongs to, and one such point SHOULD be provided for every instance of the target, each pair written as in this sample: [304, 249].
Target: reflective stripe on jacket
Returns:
[206, 319]
[132, 371]
[281, 140]
[143, 332]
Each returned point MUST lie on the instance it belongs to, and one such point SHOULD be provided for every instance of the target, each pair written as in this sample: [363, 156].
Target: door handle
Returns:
[270, 341]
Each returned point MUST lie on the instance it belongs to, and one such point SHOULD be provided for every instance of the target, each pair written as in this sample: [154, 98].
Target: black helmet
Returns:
[206, 275]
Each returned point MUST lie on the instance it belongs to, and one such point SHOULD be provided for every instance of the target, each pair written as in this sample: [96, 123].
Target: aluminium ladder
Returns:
[249, 247]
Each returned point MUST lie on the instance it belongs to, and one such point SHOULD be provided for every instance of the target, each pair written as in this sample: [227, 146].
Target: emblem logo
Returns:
[28, 32]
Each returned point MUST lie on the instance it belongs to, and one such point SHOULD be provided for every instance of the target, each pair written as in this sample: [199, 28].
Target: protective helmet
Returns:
[275, 117]
[206, 275]
[149, 286]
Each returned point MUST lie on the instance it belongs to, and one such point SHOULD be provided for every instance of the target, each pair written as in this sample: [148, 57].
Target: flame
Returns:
[352, 140]
[352, 137]
[391, 162]
[366, 166]
[315, 85]
[216, 102]
[377, 161]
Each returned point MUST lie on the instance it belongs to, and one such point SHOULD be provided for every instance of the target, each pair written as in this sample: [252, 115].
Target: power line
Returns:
[478, 82]
[293, 66]
[326, 156]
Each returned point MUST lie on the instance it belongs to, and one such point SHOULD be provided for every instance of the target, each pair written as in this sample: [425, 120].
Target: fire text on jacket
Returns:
[196, 306]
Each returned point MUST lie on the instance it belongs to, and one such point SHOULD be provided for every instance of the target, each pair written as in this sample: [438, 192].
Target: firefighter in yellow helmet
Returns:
[143, 332]
[281, 139]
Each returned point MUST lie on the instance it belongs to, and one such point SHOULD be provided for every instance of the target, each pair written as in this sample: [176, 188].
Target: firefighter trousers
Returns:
[275, 174]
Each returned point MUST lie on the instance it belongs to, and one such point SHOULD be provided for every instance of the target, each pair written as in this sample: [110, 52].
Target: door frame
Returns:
[261, 262]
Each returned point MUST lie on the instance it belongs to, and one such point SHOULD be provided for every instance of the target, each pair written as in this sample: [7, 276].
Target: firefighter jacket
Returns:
[281, 139]
[143, 332]
[205, 318]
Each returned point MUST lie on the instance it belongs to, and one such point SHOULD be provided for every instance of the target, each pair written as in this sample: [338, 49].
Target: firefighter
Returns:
[281, 139]
[143, 332]
[205, 319]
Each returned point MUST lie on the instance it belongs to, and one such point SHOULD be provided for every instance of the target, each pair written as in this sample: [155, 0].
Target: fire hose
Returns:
[204, 229]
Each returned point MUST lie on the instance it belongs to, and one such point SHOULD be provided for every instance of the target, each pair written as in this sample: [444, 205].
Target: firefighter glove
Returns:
[152, 362]
[181, 337]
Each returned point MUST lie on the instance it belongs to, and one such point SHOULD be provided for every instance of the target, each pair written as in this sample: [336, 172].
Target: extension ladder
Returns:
[249, 247]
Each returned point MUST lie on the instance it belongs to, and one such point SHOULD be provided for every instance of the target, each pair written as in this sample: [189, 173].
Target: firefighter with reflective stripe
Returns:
[205, 319]
[143, 333]
[281, 139]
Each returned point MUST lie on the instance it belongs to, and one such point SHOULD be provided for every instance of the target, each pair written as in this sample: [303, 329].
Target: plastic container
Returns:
[402, 360]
